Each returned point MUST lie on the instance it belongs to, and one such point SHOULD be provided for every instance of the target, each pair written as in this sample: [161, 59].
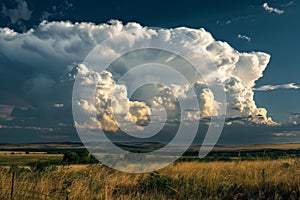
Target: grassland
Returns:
[254, 175]
[8, 158]
[277, 179]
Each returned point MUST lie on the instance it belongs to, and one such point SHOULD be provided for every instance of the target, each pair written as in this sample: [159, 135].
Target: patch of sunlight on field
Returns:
[74, 168]
[23, 158]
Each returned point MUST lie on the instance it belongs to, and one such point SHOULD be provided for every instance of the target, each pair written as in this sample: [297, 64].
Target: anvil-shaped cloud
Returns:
[41, 64]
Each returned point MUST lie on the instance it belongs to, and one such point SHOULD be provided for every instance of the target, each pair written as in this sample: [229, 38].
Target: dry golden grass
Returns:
[273, 179]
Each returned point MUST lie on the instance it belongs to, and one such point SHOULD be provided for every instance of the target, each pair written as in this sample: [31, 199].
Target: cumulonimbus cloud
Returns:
[56, 48]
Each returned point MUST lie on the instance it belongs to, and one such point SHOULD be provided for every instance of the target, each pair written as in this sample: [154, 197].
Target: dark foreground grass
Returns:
[262, 179]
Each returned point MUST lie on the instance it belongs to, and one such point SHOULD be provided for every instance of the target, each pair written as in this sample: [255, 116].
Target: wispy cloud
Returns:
[275, 87]
[5, 112]
[33, 128]
[235, 19]
[244, 37]
[285, 134]
[58, 105]
[59, 10]
[272, 10]
[294, 119]
[288, 4]
[20, 12]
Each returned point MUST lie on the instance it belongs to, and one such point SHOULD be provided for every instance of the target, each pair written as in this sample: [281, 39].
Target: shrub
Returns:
[38, 166]
[154, 182]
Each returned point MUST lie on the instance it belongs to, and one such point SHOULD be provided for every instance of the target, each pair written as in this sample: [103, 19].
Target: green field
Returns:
[21, 158]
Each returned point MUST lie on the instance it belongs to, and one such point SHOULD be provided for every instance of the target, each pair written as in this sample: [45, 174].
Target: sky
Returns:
[254, 45]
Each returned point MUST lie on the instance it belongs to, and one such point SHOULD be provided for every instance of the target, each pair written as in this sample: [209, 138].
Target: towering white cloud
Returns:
[50, 49]
[241, 103]
[208, 106]
[110, 100]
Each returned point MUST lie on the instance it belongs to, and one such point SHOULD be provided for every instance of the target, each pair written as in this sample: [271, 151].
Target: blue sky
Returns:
[247, 26]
